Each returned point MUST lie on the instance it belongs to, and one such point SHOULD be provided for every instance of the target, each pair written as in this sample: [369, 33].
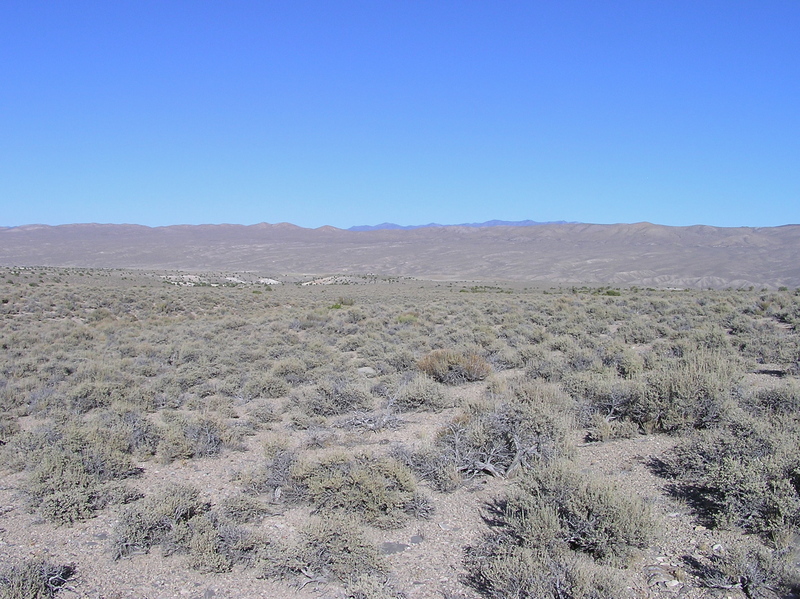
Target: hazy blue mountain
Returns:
[488, 223]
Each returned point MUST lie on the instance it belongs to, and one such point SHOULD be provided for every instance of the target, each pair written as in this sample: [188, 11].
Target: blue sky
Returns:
[348, 112]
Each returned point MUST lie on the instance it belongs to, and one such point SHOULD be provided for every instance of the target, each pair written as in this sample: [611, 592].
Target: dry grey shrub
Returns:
[273, 477]
[758, 573]
[378, 488]
[334, 548]
[521, 425]
[72, 473]
[334, 396]
[419, 392]
[745, 474]
[547, 527]
[192, 435]
[179, 522]
[34, 579]
[454, 367]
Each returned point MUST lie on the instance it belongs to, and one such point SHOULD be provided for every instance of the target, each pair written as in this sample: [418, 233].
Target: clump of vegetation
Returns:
[499, 437]
[179, 522]
[420, 392]
[193, 436]
[548, 528]
[335, 396]
[335, 548]
[742, 475]
[756, 572]
[380, 489]
[454, 367]
[71, 473]
[34, 579]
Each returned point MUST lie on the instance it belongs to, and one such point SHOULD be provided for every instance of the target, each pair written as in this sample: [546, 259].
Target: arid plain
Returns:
[579, 411]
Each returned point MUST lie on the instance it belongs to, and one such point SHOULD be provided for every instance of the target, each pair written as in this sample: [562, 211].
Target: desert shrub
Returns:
[497, 438]
[743, 475]
[380, 489]
[781, 400]
[265, 386]
[602, 428]
[193, 436]
[216, 545]
[763, 342]
[91, 394]
[399, 359]
[756, 572]
[158, 519]
[334, 396]
[8, 427]
[292, 370]
[625, 361]
[545, 530]
[72, 474]
[178, 521]
[334, 545]
[241, 509]
[544, 365]
[454, 367]
[374, 421]
[419, 393]
[34, 579]
[592, 517]
[127, 430]
[273, 477]
[499, 568]
[693, 391]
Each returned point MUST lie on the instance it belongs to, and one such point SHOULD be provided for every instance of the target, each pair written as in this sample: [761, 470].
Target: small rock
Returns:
[391, 547]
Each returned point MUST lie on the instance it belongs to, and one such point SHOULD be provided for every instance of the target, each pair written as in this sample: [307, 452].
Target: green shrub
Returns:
[454, 367]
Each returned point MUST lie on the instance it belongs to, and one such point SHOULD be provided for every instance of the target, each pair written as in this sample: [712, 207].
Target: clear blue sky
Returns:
[358, 112]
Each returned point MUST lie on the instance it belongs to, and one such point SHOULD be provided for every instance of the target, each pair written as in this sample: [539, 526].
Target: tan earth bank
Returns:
[634, 390]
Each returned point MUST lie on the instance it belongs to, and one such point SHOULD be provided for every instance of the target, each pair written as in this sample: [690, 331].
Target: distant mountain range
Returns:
[488, 223]
[640, 254]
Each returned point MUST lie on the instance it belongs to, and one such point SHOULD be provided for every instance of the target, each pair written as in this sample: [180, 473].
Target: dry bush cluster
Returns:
[107, 374]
